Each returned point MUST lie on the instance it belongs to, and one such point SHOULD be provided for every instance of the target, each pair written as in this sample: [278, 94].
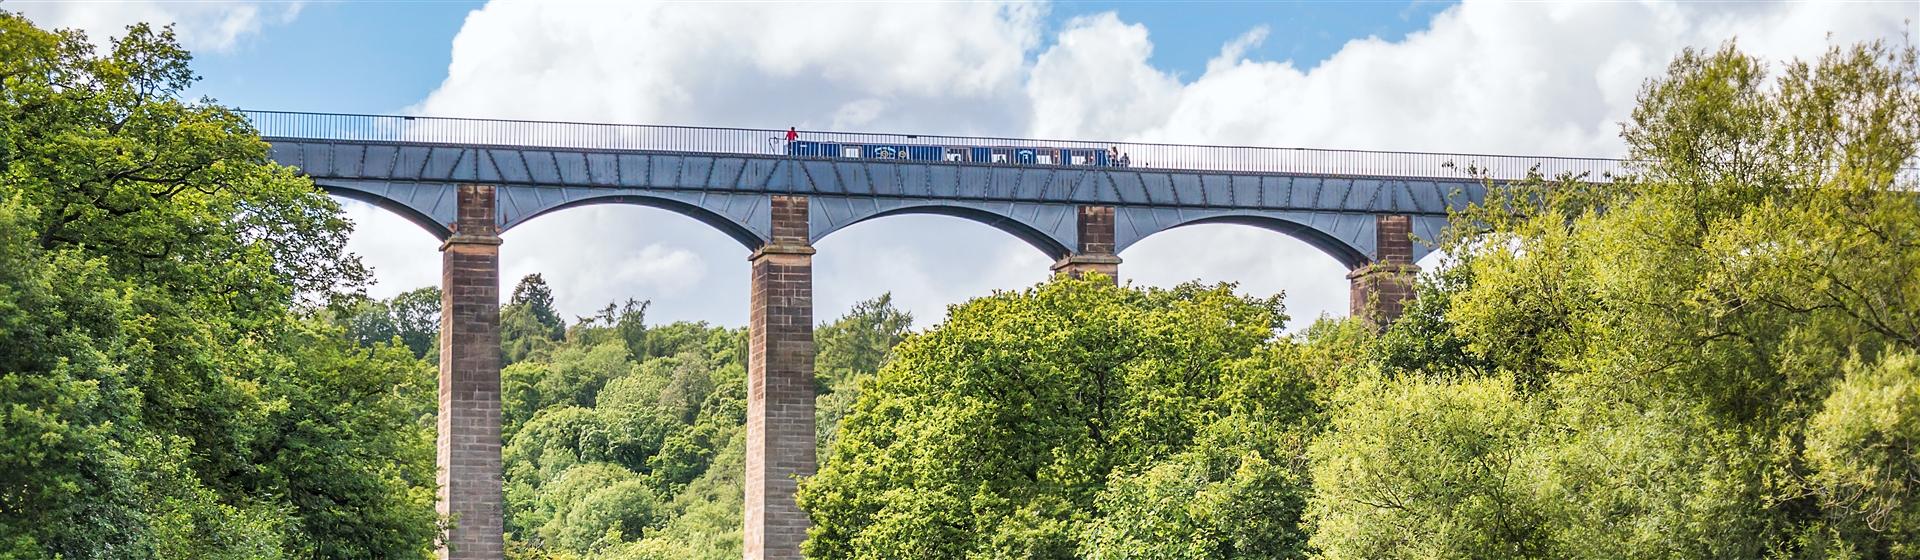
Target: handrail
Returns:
[747, 141]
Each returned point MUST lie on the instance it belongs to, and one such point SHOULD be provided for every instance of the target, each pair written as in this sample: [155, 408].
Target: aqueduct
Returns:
[466, 181]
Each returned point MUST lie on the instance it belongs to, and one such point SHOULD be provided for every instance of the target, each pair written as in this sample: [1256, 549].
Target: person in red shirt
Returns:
[792, 134]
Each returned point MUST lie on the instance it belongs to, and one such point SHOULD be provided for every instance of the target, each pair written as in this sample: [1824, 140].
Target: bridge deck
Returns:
[723, 177]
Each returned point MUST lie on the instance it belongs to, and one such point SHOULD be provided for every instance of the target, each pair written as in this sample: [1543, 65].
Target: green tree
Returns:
[1240, 489]
[1674, 363]
[1429, 469]
[624, 441]
[166, 386]
[412, 317]
[1422, 341]
[1201, 505]
[995, 434]
[1864, 450]
[859, 341]
[528, 323]
[849, 351]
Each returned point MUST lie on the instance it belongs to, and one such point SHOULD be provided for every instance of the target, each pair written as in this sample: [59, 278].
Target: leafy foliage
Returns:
[626, 440]
[1710, 357]
[413, 318]
[167, 388]
[528, 324]
[997, 433]
[849, 353]
[1716, 355]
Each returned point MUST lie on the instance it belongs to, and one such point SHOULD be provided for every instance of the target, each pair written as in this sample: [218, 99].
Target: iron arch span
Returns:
[1355, 239]
[1327, 243]
[1033, 236]
[398, 208]
[732, 229]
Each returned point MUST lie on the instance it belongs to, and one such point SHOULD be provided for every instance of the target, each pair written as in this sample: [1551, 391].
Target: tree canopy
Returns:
[168, 388]
[1710, 357]
[1041, 423]
[1713, 355]
[626, 440]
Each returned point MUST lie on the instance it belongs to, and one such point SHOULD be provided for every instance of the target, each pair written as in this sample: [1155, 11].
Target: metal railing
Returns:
[769, 142]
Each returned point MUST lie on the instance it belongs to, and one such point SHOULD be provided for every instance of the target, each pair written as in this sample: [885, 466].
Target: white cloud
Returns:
[594, 255]
[403, 256]
[1262, 262]
[930, 67]
[213, 26]
[926, 262]
[1095, 82]
[1506, 77]
[1496, 77]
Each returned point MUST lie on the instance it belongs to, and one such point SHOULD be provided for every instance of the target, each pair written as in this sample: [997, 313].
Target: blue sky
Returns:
[338, 57]
[1188, 33]
[384, 56]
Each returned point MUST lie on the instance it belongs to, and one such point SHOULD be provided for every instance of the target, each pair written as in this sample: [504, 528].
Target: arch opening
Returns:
[1262, 261]
[592, 255]
[726, 225]
[927, 261]
[1348, 255]
[402, 254]
[1047, 245]
[434, 227]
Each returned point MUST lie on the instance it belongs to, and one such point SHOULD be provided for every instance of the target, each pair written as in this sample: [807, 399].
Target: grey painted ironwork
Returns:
[723, 177]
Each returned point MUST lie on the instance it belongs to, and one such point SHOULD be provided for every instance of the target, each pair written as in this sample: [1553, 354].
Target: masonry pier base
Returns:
[1094, 251]
[780, 431]
[1380, 289]
[469, 431]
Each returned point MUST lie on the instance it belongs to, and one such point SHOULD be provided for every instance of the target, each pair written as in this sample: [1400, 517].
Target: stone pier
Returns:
[469, 442]
[1094, 252]
[1381, 289]
[780, 432]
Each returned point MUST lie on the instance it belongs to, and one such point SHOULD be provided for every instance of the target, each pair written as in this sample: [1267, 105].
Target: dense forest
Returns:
[1712, 355]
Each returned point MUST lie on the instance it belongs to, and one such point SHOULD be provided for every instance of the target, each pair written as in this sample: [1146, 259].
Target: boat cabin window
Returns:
[850, 151]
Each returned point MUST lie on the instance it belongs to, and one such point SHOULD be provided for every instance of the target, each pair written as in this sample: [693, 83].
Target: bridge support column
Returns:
[1381, 289]
[780, 432]
[469, 442]
[1095, 253]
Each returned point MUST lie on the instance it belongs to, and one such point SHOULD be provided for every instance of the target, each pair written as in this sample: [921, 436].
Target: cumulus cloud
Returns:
[935, 67]
[1495, 77]
[1095, 82]
[213, 26]
[1502, 77]
[600, 254]
[926, 262]
[402, 255]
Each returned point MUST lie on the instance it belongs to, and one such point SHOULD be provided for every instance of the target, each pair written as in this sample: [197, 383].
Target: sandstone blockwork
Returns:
[1380, 290]
[1095, 250]
[1096, 230]
[780, 430]
[469, 438]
